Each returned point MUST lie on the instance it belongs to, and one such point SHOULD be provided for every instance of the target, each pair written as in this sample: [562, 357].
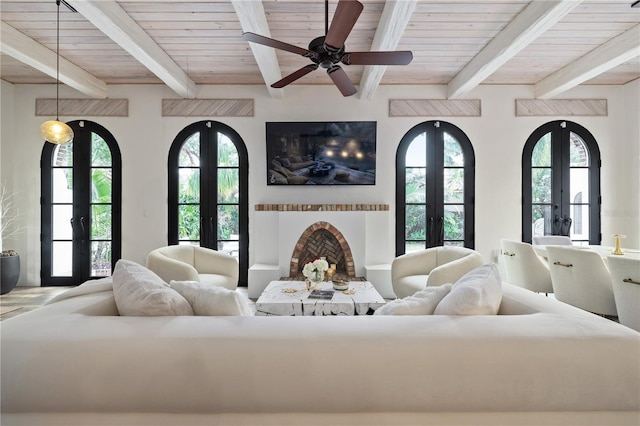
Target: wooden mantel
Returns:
[321, 207]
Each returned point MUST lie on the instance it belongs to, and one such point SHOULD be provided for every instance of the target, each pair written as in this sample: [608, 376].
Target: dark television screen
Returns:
[321, 153]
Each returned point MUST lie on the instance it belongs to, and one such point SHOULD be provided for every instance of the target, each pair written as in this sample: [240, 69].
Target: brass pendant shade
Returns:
[55, 131]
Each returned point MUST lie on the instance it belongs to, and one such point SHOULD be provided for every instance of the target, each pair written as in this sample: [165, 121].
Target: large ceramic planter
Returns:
[9, 273]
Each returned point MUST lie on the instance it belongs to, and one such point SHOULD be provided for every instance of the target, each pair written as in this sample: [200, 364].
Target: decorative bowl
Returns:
[340, 284]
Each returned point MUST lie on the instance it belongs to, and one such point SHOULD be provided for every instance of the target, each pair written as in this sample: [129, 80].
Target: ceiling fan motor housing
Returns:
[326, 56]
[323, 51]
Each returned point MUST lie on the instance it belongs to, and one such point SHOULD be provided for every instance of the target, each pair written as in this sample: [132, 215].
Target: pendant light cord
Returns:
[58, 61]
[326, 17]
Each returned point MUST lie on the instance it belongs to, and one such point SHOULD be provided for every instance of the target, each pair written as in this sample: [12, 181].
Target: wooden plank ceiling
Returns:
[188, 43]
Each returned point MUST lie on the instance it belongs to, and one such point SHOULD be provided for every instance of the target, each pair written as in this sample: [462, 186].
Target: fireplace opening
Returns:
[322, 240]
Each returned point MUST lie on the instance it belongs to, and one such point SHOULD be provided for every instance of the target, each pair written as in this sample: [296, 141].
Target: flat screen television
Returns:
[321, 153]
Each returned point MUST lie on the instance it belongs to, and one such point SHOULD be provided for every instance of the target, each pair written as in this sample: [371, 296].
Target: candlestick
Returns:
[617, 249]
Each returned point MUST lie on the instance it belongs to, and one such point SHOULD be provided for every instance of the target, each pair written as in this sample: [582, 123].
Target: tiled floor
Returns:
[25, 299]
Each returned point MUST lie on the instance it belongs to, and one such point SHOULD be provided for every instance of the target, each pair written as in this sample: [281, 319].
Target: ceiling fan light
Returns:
[57, 132]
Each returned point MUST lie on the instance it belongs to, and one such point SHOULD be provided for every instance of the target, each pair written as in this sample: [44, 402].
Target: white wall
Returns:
[498, 137]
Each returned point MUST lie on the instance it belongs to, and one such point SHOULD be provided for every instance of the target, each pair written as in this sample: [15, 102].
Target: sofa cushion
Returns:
[207, 300]
[140, 292]
[423, 302]
[478, 292]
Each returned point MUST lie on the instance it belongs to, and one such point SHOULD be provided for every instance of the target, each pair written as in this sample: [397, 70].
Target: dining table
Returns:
[604, 251]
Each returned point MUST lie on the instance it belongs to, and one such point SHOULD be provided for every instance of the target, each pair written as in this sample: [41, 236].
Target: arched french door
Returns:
[208, 191]
[435, 171]
[81, 206]
[561, 183]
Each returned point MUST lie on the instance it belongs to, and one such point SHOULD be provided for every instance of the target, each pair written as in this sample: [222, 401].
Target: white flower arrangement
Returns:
[315, 269]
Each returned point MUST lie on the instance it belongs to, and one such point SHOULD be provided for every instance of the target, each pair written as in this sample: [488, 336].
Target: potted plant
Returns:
[9, 259]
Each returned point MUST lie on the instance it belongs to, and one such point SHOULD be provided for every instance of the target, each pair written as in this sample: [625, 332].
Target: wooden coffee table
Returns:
[291, 298]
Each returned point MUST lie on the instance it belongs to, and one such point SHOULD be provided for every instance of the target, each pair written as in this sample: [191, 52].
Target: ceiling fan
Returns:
[328, 51]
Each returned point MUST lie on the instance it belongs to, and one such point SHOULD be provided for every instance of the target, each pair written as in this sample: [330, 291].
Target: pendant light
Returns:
[55, 131]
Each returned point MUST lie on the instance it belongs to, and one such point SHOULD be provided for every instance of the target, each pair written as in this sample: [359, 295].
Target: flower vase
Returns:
[316, 279]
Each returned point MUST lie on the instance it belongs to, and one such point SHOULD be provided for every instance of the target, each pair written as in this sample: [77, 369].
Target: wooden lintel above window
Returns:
[83, 107]
[207, 108]
[561, 107]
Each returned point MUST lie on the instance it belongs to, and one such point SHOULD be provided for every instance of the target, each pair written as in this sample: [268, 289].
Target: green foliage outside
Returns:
[541, 177]
[416, 199]
[101, 208]
[189, 215]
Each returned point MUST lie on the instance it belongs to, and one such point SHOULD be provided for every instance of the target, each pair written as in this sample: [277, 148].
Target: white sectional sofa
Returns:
[76, 362]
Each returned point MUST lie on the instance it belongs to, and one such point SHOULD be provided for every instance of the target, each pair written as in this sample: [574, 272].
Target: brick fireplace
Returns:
[353, 236]
[322, 240]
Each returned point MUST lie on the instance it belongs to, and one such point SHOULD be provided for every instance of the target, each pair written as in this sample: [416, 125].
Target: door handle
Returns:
[73, 227]
[84, 230]
[566, 225]
[556, 225]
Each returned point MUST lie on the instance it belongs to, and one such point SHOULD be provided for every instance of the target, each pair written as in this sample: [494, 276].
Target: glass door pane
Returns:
[453, 155]
[189, 184]
[100, 258]
[62, 259]
[541, 220]
[189, 222]
[228, 196]
[417, 152]
[101, 207]
[416, 184]
[454, 223]
[454, 185]
[62, 211]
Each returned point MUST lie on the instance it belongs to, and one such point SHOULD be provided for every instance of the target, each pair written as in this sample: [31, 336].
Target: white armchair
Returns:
[193, 263]
[434, 266]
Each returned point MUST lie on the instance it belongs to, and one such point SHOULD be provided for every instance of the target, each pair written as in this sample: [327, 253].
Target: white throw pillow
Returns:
[140, 292]
[208, 300]
[478, 292]
[423, 302]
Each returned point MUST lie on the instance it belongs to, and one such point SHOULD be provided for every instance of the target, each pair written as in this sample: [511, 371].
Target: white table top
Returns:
[292, 298]
[603, 251]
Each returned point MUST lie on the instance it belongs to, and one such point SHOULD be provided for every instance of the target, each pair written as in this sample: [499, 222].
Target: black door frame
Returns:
[208, 130]
[81, 211]
[560, 131]
[435, 130]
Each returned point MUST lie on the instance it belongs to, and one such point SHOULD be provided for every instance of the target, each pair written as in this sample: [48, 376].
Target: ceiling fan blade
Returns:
[347, 13]
[266, 41]
[341, 80]
[403, 57]
[294, 76]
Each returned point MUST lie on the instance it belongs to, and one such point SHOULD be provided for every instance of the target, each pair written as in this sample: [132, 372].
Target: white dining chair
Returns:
[625, 277]
[555, 240]
[582, 279]
[524, 268]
